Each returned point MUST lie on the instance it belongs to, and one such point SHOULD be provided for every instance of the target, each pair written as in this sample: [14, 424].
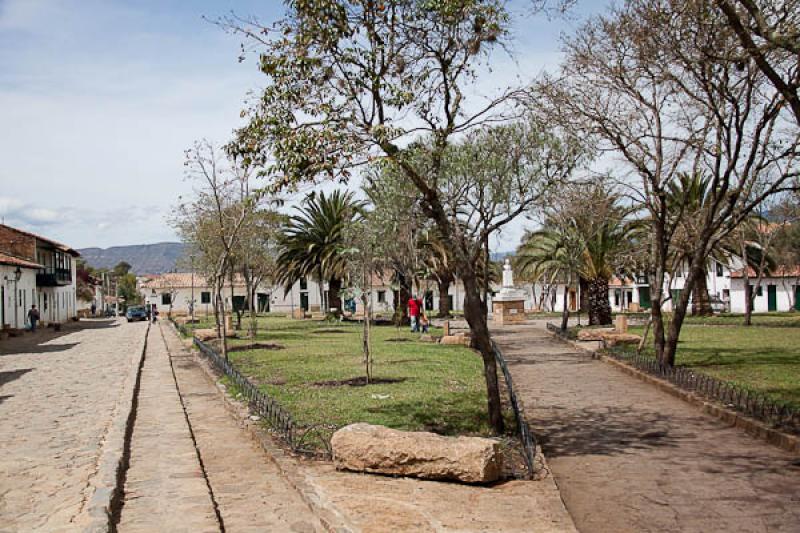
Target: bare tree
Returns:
[769, 33]
[658, 83]
[212, 220]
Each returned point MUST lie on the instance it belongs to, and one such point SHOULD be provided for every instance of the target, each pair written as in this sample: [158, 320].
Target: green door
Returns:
[772, 297]
[304, 301]
[644, 297]
[797, 297]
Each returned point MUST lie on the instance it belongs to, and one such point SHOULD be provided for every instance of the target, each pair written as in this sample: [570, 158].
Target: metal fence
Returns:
[749, 402]
[746, 401]
[260, 403]
[526, 436]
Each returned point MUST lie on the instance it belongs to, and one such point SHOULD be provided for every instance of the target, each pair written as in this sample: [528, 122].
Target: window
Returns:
[166, 298]
[760, 291]
[719, 270]
[205, 297]
[381, 297]
[616, 297]
[303, 284]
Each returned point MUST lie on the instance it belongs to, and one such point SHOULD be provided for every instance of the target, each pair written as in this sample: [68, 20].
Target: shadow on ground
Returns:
[36, 342]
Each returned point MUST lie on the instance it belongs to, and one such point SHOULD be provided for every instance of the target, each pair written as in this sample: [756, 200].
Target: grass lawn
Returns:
[426, 386]
[764, 357]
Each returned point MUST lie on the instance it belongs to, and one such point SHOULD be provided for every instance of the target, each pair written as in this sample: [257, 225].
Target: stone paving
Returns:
[165, 487]
[58, 395]
[628, 457]
[248, 487]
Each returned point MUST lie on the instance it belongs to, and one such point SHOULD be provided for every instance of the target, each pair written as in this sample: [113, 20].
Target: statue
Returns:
[508, 274]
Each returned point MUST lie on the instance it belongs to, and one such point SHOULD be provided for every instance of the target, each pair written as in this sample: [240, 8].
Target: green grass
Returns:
[775, 320]
[764, 357]
[437, 388]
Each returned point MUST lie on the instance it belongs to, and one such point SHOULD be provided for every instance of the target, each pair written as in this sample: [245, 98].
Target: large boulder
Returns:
[593, 334]
[211, 334]
[378, 449]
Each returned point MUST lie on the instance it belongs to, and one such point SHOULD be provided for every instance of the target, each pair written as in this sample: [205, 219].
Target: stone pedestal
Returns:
[508, 311]
[621, 324]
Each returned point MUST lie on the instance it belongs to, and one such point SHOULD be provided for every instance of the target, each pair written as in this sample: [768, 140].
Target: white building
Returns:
[778, 292]
[36, 270]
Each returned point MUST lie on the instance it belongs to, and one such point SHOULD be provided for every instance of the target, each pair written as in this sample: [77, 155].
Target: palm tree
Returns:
[586, 244]
[555, 253]
[312, 240]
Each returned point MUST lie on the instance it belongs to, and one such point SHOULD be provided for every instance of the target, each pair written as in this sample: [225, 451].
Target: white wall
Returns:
[15, 310]
[784, 292]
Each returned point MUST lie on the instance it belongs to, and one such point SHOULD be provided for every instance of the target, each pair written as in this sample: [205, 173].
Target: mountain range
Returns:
[143, 258]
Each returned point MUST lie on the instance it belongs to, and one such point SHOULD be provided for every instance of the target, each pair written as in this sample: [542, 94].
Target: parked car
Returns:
[136, 312]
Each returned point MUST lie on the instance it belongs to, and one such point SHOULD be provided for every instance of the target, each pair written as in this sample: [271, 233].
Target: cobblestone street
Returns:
[629, 457]
[58, 395]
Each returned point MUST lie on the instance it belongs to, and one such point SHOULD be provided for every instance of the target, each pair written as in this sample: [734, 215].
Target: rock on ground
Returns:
[369, 448]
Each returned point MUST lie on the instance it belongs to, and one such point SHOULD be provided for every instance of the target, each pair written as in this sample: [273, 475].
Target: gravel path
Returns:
[58, 395]
[629, 457]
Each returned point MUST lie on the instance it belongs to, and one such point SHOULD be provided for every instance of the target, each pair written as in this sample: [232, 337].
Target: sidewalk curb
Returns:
[106, 485]
[331, 518]
[752, 427]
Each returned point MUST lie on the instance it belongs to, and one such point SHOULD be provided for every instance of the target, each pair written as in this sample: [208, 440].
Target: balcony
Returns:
[54, 277]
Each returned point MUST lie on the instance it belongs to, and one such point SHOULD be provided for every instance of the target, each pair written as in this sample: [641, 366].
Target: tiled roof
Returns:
[6, 259]
[172, 280]
[780, 272]
[60, 246]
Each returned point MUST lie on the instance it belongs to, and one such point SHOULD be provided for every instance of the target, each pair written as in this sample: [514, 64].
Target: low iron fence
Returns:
[525, 434]
[558, 331]
[746, 401]
[260, 403]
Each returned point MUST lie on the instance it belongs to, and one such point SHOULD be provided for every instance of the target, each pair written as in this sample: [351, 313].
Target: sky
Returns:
[99, 99]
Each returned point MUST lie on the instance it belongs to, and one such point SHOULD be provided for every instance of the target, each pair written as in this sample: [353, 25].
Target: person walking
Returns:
[413, 313]
[94, 309]
[33, 317]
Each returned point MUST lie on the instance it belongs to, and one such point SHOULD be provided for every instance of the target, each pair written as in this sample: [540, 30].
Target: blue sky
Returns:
[99, 99]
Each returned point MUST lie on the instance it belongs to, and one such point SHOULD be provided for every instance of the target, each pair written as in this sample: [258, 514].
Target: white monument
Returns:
[508, 305]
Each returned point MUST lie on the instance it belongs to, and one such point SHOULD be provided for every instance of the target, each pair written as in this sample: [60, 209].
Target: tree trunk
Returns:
[401, 306]
[334, 295]
[444, 298]
[565, 311]
[701, 304]
[679, 308]
[599, 306]
[481, 341]
[749, 293]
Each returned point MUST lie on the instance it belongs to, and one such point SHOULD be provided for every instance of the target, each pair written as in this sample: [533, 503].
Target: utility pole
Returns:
[191, 261]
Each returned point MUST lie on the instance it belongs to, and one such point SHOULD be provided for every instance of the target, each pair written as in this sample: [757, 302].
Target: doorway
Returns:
[772, 297]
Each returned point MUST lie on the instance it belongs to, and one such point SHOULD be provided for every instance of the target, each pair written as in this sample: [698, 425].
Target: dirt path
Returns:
[628, 457]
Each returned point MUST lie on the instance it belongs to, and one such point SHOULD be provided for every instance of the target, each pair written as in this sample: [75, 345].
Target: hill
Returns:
[143, 258]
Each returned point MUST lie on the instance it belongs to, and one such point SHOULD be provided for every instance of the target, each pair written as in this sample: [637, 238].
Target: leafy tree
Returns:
[122, 268]
[311, 243]
[355, 81]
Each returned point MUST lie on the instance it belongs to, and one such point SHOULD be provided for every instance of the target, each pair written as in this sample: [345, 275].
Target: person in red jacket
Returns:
[413, 313]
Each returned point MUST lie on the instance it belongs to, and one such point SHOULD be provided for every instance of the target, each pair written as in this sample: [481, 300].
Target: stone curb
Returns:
[752, 427]
[106, 485]
[331, 518]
